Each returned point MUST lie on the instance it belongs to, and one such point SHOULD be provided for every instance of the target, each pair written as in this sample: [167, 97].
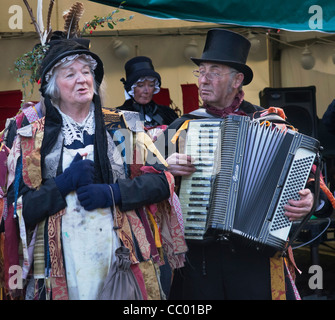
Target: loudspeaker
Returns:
[298, 103]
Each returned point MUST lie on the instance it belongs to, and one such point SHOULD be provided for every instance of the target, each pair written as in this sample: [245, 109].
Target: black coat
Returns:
[47, 200]
[328, 118]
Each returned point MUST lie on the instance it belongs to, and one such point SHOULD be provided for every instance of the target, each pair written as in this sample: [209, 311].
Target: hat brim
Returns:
[98, 72]
[243, 68]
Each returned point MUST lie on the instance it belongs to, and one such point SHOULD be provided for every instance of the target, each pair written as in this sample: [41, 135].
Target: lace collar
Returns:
[73, 130]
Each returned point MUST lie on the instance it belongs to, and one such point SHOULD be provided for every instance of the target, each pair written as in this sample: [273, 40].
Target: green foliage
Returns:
[101, 21]
[26, 68]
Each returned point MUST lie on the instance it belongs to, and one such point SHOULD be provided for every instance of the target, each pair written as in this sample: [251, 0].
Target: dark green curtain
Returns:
[295, 15]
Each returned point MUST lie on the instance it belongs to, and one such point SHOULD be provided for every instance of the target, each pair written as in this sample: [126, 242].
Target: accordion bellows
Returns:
[246, 173]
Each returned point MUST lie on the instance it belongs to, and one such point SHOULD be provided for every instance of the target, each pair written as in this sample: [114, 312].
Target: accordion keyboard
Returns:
[195, 189]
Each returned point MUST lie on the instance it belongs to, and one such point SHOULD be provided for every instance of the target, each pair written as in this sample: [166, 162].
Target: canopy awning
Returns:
[293, 15]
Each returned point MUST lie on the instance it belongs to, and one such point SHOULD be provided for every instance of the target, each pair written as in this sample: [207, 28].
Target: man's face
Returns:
[218, 84]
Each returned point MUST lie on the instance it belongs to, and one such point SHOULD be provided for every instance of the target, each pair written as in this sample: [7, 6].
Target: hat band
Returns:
[140, 66]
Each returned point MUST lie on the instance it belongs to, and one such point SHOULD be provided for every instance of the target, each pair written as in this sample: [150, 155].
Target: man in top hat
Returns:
[216, 270]
[221, 75]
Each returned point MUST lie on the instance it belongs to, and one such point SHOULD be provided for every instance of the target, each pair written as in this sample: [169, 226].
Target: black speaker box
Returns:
[298, 103]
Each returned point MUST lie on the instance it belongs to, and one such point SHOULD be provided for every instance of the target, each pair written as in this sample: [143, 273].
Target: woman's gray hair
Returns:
[142, 79]
[52, 89]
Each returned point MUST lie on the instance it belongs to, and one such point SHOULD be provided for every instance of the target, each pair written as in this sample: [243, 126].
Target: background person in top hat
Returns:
[142, 82]
[214, 270]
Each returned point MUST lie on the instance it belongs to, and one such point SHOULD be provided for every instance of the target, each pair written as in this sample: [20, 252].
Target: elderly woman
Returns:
[70, 191]
[142, 82]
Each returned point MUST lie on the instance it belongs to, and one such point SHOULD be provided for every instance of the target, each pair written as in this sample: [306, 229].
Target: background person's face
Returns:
[144, 91]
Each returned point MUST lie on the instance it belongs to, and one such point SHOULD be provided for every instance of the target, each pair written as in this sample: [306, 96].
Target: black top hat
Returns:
[136, 68]
[228, 48]
[60, 49]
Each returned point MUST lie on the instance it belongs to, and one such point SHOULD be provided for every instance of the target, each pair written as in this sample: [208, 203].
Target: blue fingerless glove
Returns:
[95, 196]
[79, 173]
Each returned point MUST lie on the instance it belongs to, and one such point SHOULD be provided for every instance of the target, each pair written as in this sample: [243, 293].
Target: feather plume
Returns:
[48, 27]
[38, 22]
[39, 16]
[51, 4]
[72, 17]
[37, 28]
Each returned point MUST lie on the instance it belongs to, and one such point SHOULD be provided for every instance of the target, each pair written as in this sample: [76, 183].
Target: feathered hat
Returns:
[66, 43]
[62, 48]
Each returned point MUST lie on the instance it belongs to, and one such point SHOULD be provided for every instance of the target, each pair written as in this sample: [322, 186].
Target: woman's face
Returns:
[75, 84]
[144, 91]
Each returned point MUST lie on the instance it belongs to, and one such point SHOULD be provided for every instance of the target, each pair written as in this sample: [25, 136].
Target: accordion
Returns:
[246, 173]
